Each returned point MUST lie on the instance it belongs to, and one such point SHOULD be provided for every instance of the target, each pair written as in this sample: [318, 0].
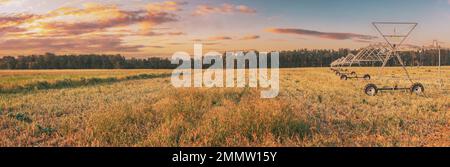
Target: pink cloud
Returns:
[325, 35]
[91, 44]
[250, 37]
[217, 38]
[153, 33]
[245, 9]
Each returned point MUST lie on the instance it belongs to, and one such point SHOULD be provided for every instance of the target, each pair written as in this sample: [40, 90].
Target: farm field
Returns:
[11, 78]
[314, 108]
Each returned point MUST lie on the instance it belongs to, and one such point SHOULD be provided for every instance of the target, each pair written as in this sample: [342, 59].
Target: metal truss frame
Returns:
[394, 46]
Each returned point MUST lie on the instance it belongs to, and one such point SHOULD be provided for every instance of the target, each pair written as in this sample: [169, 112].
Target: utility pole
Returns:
[436, 44]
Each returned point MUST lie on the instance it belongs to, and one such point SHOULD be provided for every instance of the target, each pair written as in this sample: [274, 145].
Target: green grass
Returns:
[71, 83]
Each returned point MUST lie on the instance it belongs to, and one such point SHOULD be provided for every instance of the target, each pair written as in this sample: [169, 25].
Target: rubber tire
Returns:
[344, 77]
[371, 89]
[366, 77]
[417, 88]
[353, 73]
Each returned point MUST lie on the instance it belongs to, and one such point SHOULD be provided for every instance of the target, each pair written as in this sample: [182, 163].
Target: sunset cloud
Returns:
[324, 35]
[218, 38]
[91, 18]
[2, 2]
[176, 43]
[246, 9]
[9, 23]
[156, 33]
[161, 27]
[210, 43]
[202, 10]
[93, 27]
[176, 33]
[205, 42]
[14, 19]
[213, 38]
[75, 45]
[250, 37]
[158, 7]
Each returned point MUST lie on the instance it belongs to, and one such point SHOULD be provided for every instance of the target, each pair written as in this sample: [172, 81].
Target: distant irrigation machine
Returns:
[394, 35]
[370, 54]
[339, 65]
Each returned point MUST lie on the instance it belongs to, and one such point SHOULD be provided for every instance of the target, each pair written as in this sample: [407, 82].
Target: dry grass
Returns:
[314, 108]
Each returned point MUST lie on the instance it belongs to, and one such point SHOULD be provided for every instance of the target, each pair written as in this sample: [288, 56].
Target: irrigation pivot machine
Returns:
[394, 34]
[371, 54]
[338, 66]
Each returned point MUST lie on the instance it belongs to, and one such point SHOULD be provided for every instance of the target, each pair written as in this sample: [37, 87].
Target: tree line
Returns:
[288, 59]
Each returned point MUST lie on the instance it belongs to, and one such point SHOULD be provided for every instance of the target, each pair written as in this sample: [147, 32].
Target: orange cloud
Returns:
[176, 43]
[325, 35]
[158, 7]
[217, 38]
[2, 2]
[250, 37]
[223, 9]
[91, 18]
[128, 18]
[176, 33]
[91, 28]
[210, 43]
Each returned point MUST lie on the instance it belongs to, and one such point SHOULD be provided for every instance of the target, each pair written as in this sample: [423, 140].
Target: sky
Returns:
[159, 28]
